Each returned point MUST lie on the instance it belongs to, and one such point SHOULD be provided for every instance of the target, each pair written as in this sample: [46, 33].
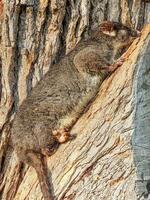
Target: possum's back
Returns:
[54, 96]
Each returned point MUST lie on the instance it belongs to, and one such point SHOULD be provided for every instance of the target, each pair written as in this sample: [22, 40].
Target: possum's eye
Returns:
[122, 35]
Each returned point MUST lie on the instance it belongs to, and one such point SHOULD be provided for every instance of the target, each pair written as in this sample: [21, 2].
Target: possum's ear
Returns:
[108, 28]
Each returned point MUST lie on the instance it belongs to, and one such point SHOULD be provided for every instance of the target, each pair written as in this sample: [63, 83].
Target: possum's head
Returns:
[118, 30]
[119, 35]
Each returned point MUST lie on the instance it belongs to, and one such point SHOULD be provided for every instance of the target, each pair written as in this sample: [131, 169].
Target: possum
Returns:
[46, 116]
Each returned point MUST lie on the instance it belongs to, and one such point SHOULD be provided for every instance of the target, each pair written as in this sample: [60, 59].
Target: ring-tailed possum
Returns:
[45, 118]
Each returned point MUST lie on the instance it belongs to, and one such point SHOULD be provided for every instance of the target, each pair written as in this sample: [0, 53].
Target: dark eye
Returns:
[122, 35]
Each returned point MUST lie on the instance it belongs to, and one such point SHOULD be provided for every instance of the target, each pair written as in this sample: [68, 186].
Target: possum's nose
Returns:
[136, 34]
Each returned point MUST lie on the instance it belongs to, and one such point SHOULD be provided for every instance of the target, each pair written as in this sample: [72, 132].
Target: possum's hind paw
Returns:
[62, 135]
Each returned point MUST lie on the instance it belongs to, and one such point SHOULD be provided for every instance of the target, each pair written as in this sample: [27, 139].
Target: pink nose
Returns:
[138, 33]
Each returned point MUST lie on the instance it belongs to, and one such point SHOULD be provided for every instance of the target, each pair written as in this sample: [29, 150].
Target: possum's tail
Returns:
[39, 163]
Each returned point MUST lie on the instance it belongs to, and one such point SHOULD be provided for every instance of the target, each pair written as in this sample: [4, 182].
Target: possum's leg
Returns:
[49, 150]
[38, 162]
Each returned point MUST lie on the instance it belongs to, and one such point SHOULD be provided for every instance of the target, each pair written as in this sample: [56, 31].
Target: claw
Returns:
[113, 67]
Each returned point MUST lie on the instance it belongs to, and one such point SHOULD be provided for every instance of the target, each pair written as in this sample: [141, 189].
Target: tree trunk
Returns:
[99, 163]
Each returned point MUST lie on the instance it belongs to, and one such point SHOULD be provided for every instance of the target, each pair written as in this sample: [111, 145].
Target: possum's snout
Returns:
[135, 34]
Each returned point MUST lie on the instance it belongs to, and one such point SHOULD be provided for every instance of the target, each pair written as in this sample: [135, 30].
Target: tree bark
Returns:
[99, 163]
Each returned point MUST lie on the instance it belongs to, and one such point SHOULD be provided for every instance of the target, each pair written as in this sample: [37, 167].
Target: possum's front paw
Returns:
[114, 66]
[119, 62]
[62, 135]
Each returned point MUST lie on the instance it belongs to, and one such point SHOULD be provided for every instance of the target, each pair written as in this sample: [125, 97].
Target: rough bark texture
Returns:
[141, 136]
[99, 163]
